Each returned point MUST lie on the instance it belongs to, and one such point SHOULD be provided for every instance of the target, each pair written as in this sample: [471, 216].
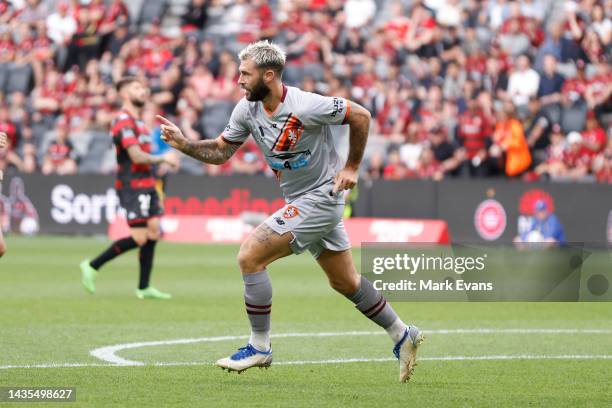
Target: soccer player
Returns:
[135, 186]
[3, 143]
[292, 128]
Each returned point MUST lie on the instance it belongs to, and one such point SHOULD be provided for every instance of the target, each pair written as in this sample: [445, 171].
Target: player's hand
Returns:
[345, 180]
[3, 140]
[171, 161]
[171, 134]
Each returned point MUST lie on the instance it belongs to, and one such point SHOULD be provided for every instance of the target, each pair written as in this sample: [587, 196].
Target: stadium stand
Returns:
[453, 85]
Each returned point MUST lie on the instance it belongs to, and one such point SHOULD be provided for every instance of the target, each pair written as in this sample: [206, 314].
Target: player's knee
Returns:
[153, 233]
[247, 261]
[2, 248]
[140, 239]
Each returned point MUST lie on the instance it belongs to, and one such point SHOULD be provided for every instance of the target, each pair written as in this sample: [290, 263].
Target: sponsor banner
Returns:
[497, 211]
[222, 229]
[476, 211]
[86, 205]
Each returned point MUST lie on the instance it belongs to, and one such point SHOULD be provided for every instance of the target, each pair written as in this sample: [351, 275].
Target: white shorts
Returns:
[315, 221]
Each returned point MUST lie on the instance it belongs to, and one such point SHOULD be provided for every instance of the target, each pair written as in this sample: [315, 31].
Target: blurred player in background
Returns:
[3, 143]
[292, 128]
[135, 186]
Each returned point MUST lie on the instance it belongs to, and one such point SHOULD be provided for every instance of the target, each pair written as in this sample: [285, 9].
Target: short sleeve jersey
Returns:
[127, 131]
[296, 139]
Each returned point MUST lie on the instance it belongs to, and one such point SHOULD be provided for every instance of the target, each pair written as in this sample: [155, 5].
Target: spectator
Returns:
[443, 151]
[474, 135]
[395, 169]
[602, 164]
[577, 159]
[553, 166]
[523, 82]
[375, 166]
[509, 143]
[593, 136]
[196, 15]
[429, 167]
[61, 26]
[601, 24]
[543, 228]
[60, 156]
[416, 66]
[551, 82]
[514, 42]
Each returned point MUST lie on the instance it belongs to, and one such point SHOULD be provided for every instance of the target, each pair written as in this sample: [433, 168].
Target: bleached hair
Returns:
[265, 55]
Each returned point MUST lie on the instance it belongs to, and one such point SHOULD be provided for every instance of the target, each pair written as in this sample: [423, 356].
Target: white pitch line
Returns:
[334, 361]
[108, 353]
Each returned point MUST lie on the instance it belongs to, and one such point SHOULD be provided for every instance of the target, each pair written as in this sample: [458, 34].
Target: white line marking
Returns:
[336, 361]
[108, 353]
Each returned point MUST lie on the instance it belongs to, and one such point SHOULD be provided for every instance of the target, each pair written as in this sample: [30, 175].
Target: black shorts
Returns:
[140, 206]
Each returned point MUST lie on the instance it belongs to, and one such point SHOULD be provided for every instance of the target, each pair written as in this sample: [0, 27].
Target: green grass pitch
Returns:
[47, 319]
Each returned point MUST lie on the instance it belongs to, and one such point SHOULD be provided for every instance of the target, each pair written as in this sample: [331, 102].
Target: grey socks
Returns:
[373, 305]
[258, 303]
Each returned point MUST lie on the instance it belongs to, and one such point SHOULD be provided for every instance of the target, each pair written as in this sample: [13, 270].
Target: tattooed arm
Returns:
[216, 151]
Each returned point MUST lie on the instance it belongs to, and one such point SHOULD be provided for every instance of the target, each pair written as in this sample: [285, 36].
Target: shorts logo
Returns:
[490, 220]
[290, 212]
[279, 221]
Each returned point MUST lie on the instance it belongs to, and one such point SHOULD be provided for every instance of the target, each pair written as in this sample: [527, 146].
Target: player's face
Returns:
[137, 94]
[252, 81]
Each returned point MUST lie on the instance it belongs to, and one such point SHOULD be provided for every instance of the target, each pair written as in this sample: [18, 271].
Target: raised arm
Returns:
[359, 126]
[215, 151]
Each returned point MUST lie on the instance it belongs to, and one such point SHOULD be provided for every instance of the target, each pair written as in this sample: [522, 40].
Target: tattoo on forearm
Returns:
[208, 151]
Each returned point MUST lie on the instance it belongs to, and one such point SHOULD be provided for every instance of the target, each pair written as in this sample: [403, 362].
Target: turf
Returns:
[47, 318]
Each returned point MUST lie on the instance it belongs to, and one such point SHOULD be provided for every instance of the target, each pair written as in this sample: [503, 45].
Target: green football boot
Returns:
[88, 276]
[151, 293]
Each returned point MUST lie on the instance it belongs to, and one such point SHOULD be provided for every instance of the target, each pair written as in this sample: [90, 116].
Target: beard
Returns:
[259, 91]
[139, 103]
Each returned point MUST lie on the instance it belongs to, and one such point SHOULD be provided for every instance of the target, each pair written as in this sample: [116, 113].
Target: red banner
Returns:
[232, 230]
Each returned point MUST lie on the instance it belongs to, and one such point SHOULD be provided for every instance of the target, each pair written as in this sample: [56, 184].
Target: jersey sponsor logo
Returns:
[290, 212]
[338, 106]
[490, 220]
[289, 135]
[289, 161]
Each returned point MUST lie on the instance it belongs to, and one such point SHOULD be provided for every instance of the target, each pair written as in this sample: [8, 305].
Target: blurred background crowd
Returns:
[457, 88]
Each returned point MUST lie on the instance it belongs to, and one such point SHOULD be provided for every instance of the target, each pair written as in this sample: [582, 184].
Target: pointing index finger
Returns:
[164, 120]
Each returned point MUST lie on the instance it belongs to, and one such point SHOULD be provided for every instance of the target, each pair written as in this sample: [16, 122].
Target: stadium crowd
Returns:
[457, 88]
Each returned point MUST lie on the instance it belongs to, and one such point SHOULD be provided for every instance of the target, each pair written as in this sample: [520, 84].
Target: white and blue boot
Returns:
[245, 358]
[405, 351]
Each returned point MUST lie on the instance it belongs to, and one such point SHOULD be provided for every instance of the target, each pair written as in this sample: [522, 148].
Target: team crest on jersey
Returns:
[289, 135]
[290, 212]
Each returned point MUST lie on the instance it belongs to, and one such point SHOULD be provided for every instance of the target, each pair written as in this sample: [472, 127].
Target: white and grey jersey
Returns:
[296, 139]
